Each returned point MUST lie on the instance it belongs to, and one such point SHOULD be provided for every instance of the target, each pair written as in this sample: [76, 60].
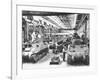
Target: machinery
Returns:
[55, 60]
[35, 57]
[78, 54]
[35, 53]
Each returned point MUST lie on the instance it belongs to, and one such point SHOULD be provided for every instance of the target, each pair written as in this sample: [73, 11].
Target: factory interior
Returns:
[55, 38]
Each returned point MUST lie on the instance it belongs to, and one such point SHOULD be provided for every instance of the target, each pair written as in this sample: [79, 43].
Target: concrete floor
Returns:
[44, 63]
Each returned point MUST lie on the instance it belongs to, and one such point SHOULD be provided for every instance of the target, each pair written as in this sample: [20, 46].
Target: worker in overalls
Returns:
[33, 36]
[64, 53]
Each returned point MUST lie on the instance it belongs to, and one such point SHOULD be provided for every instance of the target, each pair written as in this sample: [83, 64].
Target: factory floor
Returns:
[44, 63]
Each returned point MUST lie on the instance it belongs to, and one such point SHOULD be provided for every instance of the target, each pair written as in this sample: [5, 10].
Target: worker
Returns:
[33, 36]
[64, 54]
